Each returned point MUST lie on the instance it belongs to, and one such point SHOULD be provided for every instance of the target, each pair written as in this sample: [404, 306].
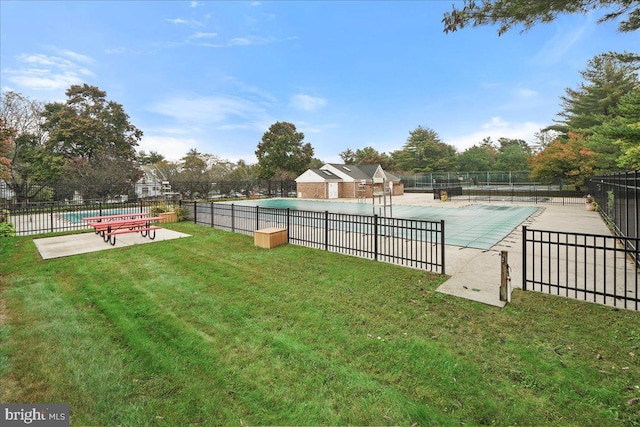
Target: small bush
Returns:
[7, 229]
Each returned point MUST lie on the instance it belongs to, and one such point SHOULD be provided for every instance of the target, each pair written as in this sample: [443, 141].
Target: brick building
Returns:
[333, 181]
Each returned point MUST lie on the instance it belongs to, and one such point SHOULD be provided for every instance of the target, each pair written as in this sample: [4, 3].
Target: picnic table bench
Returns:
[109, 226]
[121, 216]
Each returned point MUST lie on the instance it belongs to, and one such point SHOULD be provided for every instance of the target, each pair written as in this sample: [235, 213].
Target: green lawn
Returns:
[211, 330]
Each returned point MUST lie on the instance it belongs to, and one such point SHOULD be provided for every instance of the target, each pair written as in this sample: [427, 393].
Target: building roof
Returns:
[329, 172]
[363, 171]
[352, 171]
[312, 175]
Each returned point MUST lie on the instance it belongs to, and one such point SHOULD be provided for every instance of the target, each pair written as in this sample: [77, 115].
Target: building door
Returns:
[333, 190]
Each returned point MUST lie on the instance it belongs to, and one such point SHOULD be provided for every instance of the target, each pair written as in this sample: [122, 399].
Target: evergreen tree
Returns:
[424, 152]
[607, 79]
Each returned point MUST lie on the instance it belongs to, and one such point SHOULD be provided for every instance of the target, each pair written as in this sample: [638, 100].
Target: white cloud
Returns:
[182, 21]
[242, 41]
[178, 21]
[75, 56]
[261, 94]
[307, 102]
[38, 79]
[496, 128]
[496, 122]
[200, 35]
[209, 110]
[38, 71]
[564, 39]
[171, 147]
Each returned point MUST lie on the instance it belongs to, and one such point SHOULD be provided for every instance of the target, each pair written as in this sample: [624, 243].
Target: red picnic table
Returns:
[108, 226]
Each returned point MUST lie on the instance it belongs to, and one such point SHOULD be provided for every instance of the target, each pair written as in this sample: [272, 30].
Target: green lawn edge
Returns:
[211, 330]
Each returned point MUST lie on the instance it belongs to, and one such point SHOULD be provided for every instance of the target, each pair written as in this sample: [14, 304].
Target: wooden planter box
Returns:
[270, 237]
[168, 217]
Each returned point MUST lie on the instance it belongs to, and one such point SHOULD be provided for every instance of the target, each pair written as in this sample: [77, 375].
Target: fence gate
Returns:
[594, 268]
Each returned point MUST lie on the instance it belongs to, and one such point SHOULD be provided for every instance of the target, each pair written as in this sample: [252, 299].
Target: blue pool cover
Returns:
[473, 226]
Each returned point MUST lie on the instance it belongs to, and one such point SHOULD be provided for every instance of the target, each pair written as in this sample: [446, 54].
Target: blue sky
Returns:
[215, 75]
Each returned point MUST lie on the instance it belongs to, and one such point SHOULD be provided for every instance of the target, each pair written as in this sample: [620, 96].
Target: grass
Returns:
[211, 330]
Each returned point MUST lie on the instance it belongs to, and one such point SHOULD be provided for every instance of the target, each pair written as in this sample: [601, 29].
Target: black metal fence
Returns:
[412, 243]
[618, 198]
[522, 194]
[595, 268]
[52, 217]
[428, 181]
[28, 193]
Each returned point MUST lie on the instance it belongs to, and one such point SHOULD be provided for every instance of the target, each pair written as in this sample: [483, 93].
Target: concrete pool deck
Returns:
[475, 273]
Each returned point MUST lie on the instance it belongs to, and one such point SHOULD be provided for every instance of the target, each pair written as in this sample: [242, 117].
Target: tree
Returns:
[149, 159]
[588, 109]
[542, 139]
[348, 157]
[95, 138]
[565, 159]
[513, 155]
[367, 156]
[89, 126]
[243, 171]
[424, 152]
[607, 78]
[6, 141]
[479, 158]
[510, 13]
[198, 172]
[99, 179]
[371, 156]
[316, 163]
[30, 161]
[166, 170]
[282, 153]
[624, 130]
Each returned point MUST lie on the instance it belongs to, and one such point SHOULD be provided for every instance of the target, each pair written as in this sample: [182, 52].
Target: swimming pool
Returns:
[473, 226]
[76, 217]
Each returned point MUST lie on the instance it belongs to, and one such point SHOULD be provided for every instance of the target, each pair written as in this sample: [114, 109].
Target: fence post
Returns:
[442, 244]
[100, 208]
[375, 237]
[195, 212]
[326, 230]
[505, 291]
[233, 218]
[213, 211]
[288, 222]
[524, 257]
[51, 217]
[257, 217]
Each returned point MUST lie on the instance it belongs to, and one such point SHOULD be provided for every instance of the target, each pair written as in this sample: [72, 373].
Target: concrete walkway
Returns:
[475, 273]
[74, 244]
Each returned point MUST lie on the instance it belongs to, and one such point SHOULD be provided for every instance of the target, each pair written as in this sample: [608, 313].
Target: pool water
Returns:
[473, 226]
[76, 217]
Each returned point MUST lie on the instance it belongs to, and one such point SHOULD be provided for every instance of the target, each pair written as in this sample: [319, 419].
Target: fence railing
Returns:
[596, 268]
[514, 194]
[52, 217]
[26, 194]
[618, 198]
[413, 243]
